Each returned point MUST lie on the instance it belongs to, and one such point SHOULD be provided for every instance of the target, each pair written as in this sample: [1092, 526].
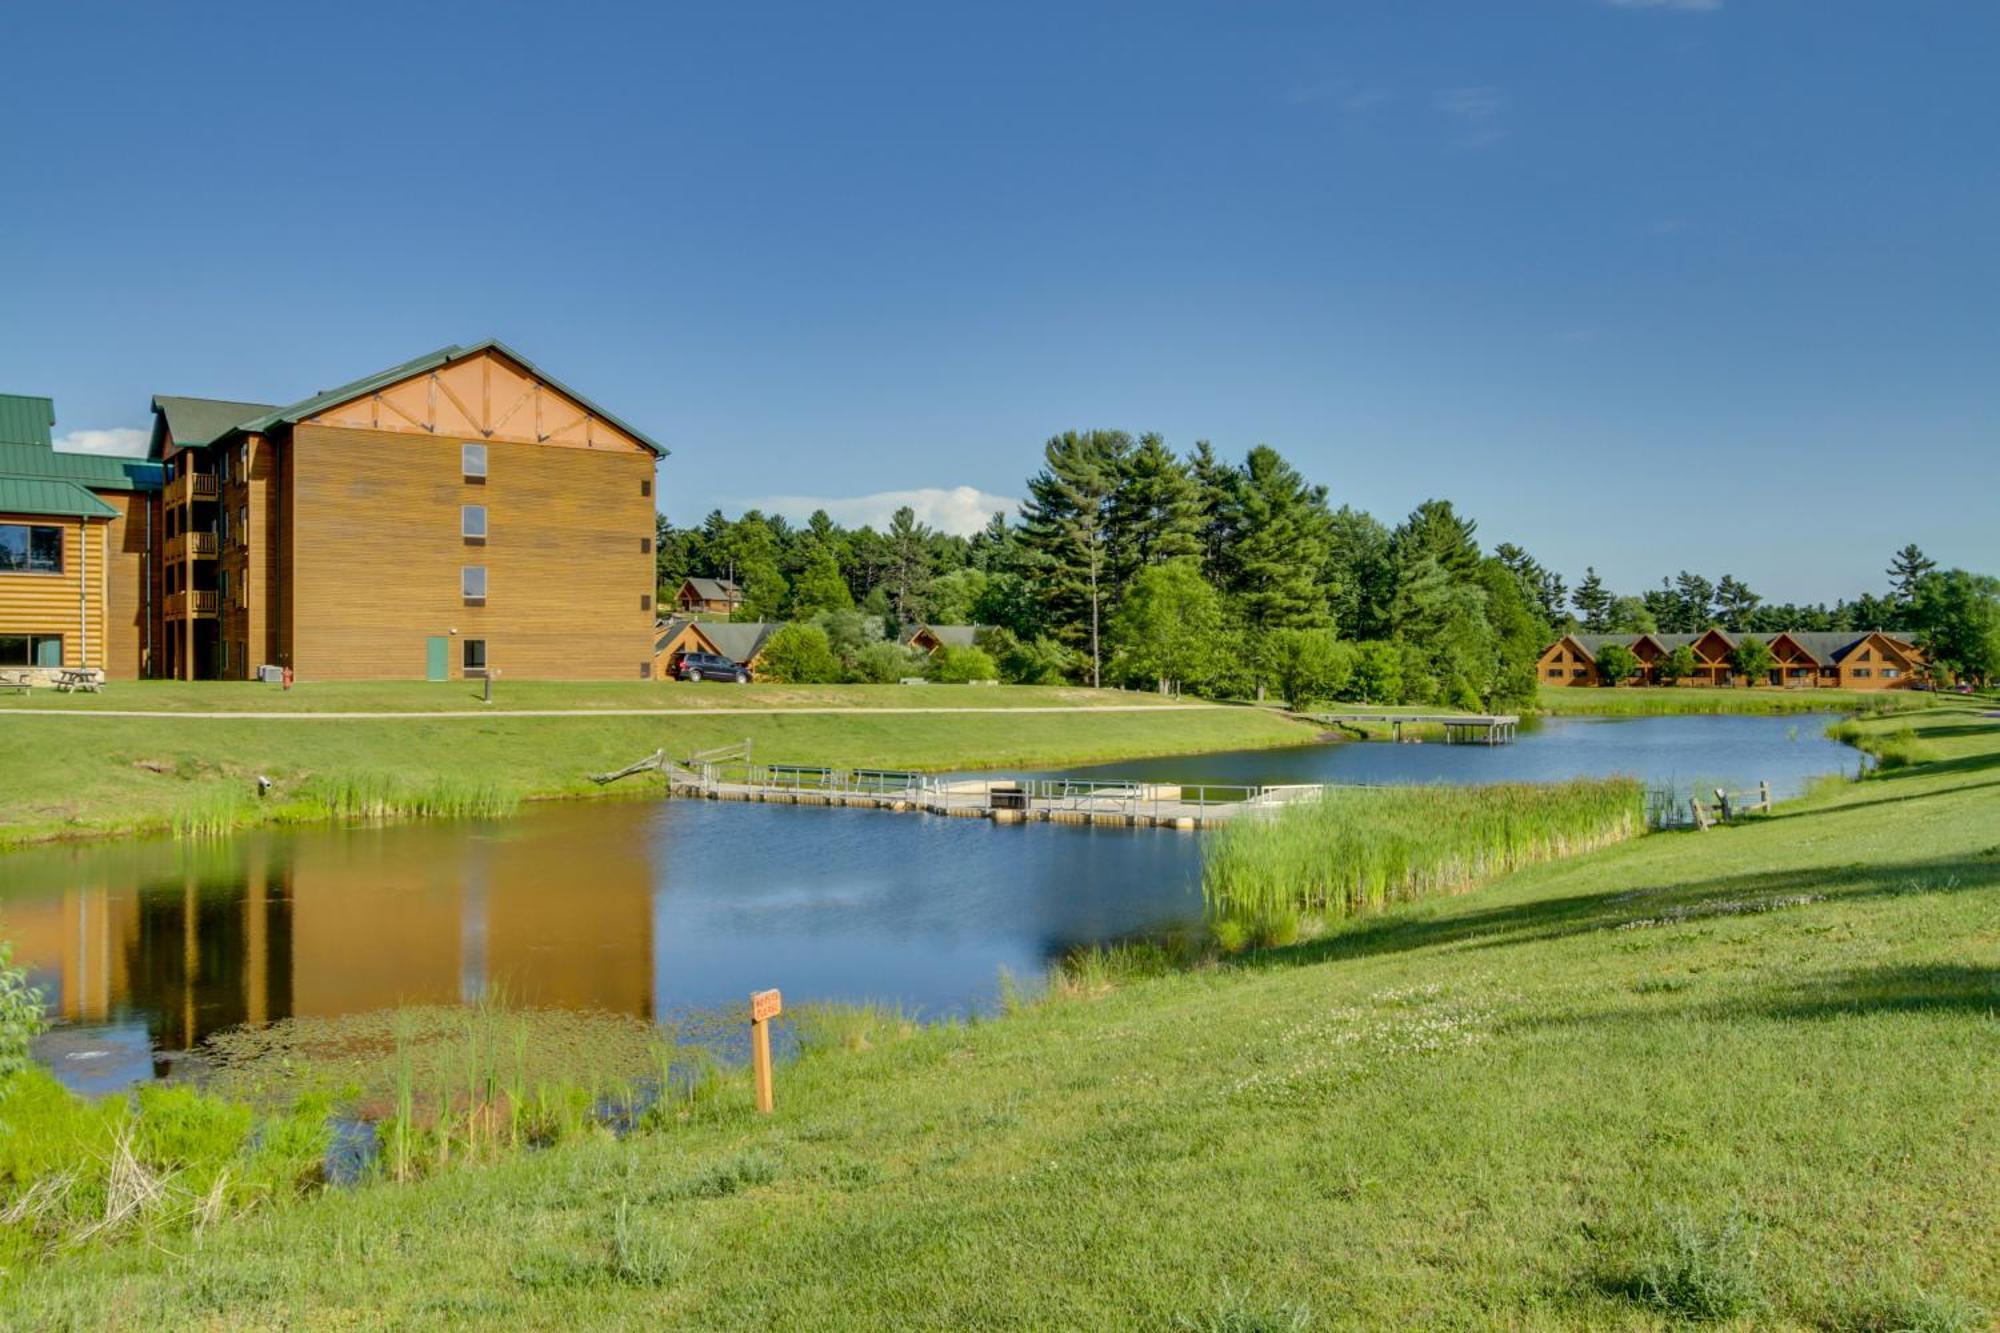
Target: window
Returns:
[222, 474]
[645, 671]
[646, 487]
[1862, 673]
[243, 525]
[645, 601]
[30, 549]
[1890, 673]
[472, 582]
[472, 521]
[243, 459]
[1577, 671]
[474, 657]
[472, 460]
[1555, 673]
[20, 650]
[222, 587]
[645, 546]
[222, 649]
[222, 529]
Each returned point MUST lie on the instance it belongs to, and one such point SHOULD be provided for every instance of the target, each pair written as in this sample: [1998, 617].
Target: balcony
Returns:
[200, 545]
[192, 485]
[201, 604]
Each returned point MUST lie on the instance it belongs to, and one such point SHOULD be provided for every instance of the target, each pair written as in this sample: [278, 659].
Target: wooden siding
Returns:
[135, 592]
[71, 603]
[375, 553]
[252, 497]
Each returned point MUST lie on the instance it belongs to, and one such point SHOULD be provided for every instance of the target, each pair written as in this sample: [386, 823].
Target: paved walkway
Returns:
[490, 713]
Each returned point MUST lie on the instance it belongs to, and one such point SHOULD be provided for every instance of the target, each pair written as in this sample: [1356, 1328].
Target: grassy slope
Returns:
[71, 777]
[424, 697]
[1649, 699]
[1467, 1114]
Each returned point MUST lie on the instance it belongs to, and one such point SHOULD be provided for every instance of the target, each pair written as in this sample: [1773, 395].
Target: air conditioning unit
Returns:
[271, 675]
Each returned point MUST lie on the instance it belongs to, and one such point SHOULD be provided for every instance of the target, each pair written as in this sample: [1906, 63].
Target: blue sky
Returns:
[1708, 283]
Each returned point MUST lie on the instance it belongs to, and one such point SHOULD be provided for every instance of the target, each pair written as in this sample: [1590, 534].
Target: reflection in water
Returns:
[643, 908]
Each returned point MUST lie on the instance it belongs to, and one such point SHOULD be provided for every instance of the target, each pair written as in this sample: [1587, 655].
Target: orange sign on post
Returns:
[765, 1005]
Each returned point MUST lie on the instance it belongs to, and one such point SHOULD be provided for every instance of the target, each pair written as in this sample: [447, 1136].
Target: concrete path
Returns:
[490, 713]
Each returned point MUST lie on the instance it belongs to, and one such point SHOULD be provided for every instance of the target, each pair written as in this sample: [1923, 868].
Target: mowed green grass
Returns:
[1487, 1111]
[408, 696]
[75, 777]
[1648, 700]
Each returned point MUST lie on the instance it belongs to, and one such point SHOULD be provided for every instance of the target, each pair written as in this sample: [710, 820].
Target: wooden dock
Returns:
[1459, 728]
[729, 775]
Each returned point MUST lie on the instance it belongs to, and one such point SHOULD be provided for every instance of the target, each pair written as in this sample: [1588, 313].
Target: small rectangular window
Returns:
[243, 525]
[645, 671]
[222, 587]
[1863, 673]
[222, 648]
[646, 487]
[645, 546]
[30, 549]
[474, 657]
[472, 460]
[645, 601]
[472, 582]
[472, 521]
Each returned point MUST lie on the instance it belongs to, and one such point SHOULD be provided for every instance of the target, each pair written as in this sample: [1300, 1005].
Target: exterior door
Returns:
[437, 656]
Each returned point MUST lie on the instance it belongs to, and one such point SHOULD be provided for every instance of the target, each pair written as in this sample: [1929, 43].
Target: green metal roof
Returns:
[101, 472]
[196, 423]
[39, 495]
[444, 356]
[25, 419]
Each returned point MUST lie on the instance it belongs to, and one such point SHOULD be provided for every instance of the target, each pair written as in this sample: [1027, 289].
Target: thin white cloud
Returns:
[119, 442]
[1477, 110]
[1686, 6]
[961, 510]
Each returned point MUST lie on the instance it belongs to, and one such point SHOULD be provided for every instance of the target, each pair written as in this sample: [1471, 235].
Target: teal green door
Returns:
[437, 653]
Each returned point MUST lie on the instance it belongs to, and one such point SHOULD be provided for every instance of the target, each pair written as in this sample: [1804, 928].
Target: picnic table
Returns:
[17, 681]
[78, 678]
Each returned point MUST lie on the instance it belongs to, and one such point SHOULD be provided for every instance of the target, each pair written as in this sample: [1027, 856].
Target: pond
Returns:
[145, 948]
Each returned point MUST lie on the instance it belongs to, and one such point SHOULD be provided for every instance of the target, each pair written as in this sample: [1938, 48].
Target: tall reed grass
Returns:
[219, 811]
[1357, 850]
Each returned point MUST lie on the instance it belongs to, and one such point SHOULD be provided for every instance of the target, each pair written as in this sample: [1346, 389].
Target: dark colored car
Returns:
[707, 666]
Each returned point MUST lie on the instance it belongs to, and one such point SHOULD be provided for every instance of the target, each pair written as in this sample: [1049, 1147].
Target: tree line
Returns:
[1131, 564]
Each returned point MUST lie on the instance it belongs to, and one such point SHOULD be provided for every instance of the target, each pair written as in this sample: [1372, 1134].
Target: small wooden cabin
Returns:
[708, 597]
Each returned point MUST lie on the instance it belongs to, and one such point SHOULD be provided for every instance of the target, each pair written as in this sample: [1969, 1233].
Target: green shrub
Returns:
[953, 665]
[799, 654]
[21, 1019]
[885, 663]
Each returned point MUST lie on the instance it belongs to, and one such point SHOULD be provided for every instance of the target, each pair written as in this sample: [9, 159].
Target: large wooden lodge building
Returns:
[1801, 659]
[458, 513]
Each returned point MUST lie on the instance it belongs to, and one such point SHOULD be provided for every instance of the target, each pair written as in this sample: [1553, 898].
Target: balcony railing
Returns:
[195, 485]
[201, 545]
[202, 604]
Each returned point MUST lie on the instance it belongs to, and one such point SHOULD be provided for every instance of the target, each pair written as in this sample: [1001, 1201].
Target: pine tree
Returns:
[908, 576]
[1435, 529]
[819, 585]
[1736, 604]
[1065, 532]
[1282, 529]
[1906, 571]
[1695, 600]
[1215, 486]
[1361, 573]
[1593, 602]
[1155, 514]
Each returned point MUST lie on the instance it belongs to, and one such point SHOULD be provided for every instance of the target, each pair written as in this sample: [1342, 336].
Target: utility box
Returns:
[271, 675]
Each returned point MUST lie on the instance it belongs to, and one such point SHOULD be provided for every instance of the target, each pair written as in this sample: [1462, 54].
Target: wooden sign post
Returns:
[765, 1005]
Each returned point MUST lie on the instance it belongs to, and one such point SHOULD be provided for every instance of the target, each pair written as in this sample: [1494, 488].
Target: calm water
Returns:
[145, 948]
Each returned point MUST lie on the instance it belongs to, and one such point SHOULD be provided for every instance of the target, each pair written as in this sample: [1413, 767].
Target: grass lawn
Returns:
[1639, 700]
[415, 696]
[71, 777]
[1746, 1075]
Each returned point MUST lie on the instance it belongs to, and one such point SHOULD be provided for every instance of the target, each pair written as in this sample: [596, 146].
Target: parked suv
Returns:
[706, 666]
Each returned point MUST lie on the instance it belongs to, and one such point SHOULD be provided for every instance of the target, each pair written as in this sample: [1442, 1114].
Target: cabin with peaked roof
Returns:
[927, 639]
[708, 597]
[79, 584]
[1801, 659]
[460, 513]
[741, 641]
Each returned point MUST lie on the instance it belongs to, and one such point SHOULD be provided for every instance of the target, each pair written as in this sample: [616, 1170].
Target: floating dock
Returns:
[1459, 728]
